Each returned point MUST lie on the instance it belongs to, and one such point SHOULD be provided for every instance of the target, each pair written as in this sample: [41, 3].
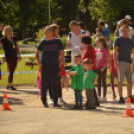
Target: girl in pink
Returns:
[102, 56]
[113, 73]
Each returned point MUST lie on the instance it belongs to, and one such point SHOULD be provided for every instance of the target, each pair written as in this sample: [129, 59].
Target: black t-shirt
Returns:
[50, 51]
[10, 52]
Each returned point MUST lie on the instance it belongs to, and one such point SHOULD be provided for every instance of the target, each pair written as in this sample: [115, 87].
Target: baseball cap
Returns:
[106, 25]
[128, 17]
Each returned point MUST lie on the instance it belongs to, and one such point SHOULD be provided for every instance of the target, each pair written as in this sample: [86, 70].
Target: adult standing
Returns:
[105, 31]
[74, 39]
[123, 22]
[11, 48]
[128, 19]
[51, 48]
[123, 63]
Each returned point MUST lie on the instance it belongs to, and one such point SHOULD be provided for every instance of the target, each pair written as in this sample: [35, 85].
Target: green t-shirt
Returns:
[77, 81]
[89, 79]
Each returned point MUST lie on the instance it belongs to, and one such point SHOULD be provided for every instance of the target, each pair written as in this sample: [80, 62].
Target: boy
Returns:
[89, 83]
[76, 73]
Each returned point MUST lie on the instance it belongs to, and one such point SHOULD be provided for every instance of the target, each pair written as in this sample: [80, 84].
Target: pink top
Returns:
[101, 57]
[112, 69]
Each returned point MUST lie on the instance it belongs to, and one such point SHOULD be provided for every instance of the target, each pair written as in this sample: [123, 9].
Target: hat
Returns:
[128, 17]
[118, 23]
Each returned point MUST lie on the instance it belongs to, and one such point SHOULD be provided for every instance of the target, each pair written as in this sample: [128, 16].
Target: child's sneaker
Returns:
[62, 101]
[80, 107]
[51, 102]
[114, 97]
[104, 99]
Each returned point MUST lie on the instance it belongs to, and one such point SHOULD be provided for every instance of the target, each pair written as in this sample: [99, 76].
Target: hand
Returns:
[102, 69]
[131, 69]
[94, 83]
[116, 65]
[69, 45]
[19, 59]
[81, 48]
[40, 65]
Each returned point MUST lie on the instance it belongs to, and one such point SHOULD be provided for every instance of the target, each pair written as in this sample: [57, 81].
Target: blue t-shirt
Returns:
[50, 51]
[105, 32]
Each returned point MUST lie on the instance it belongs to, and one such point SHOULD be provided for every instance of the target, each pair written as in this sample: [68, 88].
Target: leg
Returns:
[104, 73]
[55, 82]
[60, 90]
[120, 88]
[129, 88]
[45, 83]
[112, 83]
[76, 97]
[50, 89]
[80, 97]
[90, 97]
[99, 82]
[11, 67]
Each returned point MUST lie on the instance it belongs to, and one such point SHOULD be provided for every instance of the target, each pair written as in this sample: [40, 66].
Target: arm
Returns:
[95, 80]
[107, 38]
[18, 50]
[115, 57]
[37, 57]
[61, 57]
[72, 73]
[0, 43]
[133, 36]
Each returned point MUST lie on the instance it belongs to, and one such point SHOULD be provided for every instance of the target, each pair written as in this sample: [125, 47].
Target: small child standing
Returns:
[102, 57]
[76, 73]
[113, 74]
[89, 81]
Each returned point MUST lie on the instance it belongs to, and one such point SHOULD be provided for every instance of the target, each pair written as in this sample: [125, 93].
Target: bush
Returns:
[64, 41]
[40, 34]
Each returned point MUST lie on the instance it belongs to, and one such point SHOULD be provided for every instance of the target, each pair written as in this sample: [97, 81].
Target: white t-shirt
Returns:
[130, 34]
[75, 40]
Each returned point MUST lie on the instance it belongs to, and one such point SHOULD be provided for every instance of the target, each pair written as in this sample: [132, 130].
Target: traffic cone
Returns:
[129, 112]
[5, 103]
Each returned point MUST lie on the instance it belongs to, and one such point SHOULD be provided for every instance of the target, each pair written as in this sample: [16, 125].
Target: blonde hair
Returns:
[55, 26]
[4, 30]
[87, 61]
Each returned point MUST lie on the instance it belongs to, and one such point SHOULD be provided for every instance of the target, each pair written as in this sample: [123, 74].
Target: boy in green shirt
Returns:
[89, 83]
[76, 73]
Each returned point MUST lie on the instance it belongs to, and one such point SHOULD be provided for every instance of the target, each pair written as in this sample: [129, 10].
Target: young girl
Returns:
[113, 73]
[102, 56]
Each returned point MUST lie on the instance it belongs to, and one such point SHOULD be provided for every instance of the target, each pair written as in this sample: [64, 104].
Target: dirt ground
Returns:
[29, 117]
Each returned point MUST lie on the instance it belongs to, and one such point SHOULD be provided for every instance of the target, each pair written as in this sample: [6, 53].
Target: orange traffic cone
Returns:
[5, 103]
[129, 112]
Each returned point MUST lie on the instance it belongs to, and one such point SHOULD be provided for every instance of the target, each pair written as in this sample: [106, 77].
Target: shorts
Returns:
[124, 70]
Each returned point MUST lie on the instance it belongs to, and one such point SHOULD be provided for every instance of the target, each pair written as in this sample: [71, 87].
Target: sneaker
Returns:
[97, 104]
[121, 100]
[80, 107]
[45, 105]
[99, 98]
[114, 97]
[51, 102]
[62, 101]
[74, 100]
[57, 105]
[104, 99]
[11, 88]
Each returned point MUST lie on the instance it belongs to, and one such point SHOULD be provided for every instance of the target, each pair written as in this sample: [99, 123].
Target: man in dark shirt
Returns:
[50, 62]
[124, 46]
[128, 19]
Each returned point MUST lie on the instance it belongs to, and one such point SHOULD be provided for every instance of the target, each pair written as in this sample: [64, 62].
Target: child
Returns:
[76, 73]
[113, 73]
[89, 81]
[102, 56]
[90, 54]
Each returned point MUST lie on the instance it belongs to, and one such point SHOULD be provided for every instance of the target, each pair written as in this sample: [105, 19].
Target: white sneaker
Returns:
[104, 99]
[51, 102]
[99, 98]
[62, 101]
